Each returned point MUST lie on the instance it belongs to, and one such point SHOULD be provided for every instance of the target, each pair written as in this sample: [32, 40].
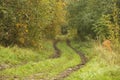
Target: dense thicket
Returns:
[25, 22]
[95, 18]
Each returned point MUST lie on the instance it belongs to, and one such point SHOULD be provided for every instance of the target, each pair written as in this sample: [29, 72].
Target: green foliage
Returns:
[25, 22]
[82, 15]
[101, 28]
[107, 27]
[58, 20]
[95, 18]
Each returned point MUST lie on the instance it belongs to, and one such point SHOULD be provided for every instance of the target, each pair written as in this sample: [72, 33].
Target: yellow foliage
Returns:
[22, 40]
[26, 31]
[25, 25]
[17, 25]
[21, 25]
[107, 45]
[34, 43]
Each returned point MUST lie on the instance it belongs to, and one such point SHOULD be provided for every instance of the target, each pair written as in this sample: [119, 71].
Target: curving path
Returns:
[55, 55]
[57, 50]
[68, 71]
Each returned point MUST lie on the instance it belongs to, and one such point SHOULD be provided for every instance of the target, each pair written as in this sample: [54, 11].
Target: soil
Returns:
[57, 50]
[68, 71]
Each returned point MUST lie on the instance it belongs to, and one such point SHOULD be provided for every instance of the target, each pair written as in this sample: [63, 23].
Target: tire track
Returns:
[57, 50]
[57, 54]
[70, 70]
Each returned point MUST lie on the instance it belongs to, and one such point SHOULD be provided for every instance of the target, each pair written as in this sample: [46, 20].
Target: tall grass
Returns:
[102, 65]
[13, 56]
[45, 69]
[111, 57]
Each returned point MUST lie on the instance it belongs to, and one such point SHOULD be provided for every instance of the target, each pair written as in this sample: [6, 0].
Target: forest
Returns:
[59, 39]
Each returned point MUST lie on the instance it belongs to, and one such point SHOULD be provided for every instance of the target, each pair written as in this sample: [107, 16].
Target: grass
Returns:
[96, 70]
[45, 69]
[17, 56]
[102, 65]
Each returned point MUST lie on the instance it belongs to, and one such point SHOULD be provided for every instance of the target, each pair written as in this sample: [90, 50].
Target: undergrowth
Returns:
[102, 64]
[12, 56]
[45, 69]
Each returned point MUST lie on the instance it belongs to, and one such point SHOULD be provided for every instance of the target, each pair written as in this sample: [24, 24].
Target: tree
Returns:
[26, 22]
[94, 18]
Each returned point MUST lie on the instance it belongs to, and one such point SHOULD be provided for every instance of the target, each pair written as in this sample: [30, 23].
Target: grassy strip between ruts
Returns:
[45, 69]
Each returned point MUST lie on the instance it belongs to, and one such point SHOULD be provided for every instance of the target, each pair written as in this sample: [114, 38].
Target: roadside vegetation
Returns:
[45, 69]
[16, 56]
[102, 64]
[30, 28]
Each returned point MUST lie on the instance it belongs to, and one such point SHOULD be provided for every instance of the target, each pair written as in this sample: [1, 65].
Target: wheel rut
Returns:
[57, 50]
[56, 54]
[70, 70]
